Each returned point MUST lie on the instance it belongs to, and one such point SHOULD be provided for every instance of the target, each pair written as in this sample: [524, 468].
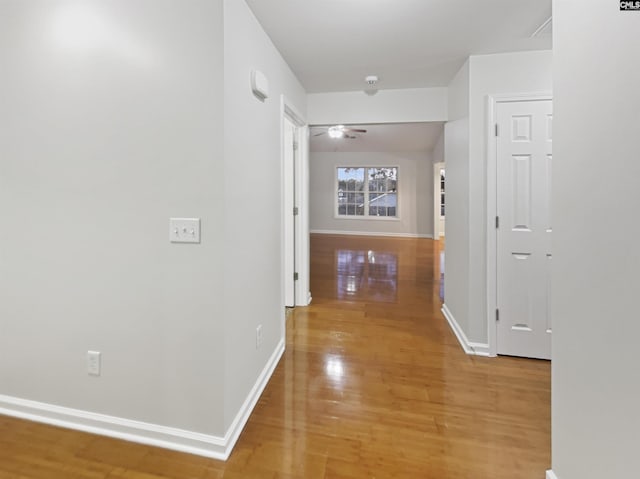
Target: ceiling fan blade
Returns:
[321, 133]
[354, 130]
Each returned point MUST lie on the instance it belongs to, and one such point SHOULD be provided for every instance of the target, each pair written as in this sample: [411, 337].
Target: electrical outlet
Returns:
[259, 336]
[93, 363]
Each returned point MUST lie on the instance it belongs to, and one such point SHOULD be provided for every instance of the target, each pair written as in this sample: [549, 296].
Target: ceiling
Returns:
[331, 45]
[395, 137]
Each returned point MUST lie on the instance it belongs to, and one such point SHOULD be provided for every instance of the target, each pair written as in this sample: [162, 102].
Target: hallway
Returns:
[373, 384]
[379, 371]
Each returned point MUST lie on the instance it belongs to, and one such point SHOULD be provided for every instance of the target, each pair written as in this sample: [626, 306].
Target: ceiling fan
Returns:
[339, 131]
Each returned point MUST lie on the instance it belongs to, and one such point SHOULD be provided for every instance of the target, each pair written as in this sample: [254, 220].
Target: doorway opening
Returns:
[438, 200]
[374, 181]
[295, 208]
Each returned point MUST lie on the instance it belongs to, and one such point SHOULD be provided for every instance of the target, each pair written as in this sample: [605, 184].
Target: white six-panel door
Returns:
[524, 160]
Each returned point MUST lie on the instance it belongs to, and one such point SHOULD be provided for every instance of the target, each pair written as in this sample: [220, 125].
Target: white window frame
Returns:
[366, 216]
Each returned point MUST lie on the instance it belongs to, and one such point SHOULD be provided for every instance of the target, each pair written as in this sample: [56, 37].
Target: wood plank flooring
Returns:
[373, 384]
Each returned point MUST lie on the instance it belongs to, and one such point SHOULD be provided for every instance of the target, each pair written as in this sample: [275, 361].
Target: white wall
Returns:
[386, 106]
[458, 94]
[456, 154]
[253, 213]
[438, 149]
[415, 193]
[110, 123]
[424, 194]
[505, 73]
[116, 116]
[595, 390]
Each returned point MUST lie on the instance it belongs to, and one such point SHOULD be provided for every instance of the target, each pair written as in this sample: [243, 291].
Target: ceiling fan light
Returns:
[336, 131]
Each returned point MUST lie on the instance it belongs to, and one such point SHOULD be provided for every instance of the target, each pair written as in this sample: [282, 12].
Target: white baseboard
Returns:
[551, 475]
[141, 432]
[308, 300]
[104, 425]
[369, 233]
[233, 433]
[477, 349]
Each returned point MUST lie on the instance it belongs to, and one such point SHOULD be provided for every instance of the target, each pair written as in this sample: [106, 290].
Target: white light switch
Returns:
[93, 363]
[184, 230]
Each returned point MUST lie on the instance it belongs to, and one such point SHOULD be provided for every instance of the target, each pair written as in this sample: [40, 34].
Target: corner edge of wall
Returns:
[469, 347]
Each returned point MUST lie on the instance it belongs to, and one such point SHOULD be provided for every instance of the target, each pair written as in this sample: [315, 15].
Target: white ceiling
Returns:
[393, 137]
[332, 44]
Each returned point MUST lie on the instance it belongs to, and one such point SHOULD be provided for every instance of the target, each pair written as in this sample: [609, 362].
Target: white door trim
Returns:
[436, 199]
[492, 199]
[290, 134]
[301, 188]
[303, 293]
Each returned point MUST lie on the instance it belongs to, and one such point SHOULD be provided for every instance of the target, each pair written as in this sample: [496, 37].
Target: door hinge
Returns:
[295, 276]
[295, 146]
[295, 211]
[497, 222]
[496, 130]
[497, 314]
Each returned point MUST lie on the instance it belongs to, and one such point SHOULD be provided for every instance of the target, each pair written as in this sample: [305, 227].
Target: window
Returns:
[367, 192]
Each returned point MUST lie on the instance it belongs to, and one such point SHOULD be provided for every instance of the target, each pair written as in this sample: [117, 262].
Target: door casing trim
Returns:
[301, 191]
[437, 199]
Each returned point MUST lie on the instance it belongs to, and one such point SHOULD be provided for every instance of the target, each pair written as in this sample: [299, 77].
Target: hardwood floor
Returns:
[373, 384]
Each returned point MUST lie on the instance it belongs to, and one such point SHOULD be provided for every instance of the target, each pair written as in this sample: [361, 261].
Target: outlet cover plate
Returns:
[259, 336]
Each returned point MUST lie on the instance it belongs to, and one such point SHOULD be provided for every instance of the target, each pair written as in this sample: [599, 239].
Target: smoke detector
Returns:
[371, 79]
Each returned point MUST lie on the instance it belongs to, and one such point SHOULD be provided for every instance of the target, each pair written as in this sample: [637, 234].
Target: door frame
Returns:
[301, 200]
[492, 204]
[437, 199]
[290, 140]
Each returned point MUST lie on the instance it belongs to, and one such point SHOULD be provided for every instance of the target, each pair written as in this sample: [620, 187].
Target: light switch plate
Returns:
[184, 230]
[93, 363]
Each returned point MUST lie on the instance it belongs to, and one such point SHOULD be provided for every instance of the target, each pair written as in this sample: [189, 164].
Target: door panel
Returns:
[524, 235]
[521, 168]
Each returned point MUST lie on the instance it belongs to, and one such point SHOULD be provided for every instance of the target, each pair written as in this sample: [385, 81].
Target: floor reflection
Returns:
[441, 289]
[334, 368]
[369, 275]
